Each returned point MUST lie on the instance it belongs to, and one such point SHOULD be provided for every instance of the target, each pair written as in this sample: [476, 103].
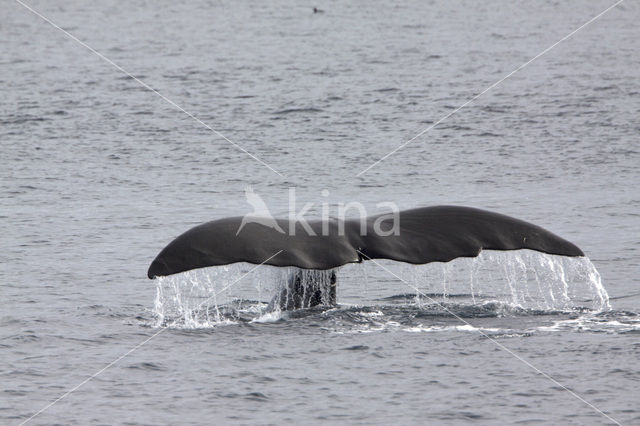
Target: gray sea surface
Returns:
[98, 174]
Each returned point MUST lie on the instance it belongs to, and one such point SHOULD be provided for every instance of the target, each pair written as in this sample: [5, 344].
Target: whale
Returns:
[423, 235]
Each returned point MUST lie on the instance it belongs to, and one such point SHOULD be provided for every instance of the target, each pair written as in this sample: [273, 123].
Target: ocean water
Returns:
[98, 174]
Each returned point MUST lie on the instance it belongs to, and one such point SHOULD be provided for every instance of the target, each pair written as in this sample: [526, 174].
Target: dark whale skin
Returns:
[427, 234]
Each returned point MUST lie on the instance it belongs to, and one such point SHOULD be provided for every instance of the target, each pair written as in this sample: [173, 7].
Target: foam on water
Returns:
[500, 282]
[604, 322]
[272, 316]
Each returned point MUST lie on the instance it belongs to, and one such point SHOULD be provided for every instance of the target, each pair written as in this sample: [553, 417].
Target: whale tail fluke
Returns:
[428, 234]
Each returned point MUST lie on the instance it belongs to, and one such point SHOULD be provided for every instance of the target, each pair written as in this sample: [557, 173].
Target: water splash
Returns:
[525, 279]
[521, 279]
[206, 297]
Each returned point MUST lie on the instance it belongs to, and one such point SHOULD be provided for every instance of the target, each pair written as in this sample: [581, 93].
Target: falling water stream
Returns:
[523, 279]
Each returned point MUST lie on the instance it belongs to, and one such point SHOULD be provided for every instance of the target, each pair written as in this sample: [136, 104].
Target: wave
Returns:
[297, 110]
[489, 320]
